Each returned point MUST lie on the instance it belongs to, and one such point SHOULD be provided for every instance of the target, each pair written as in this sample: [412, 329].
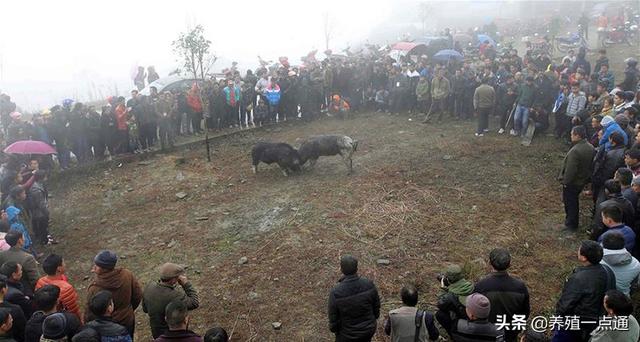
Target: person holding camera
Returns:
[455, 291]
[159, 294]
[408, 323]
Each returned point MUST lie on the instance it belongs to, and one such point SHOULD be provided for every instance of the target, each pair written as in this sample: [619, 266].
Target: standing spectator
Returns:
[54, 267]
[576, 102]
[631, 75]
[625, 267]
[405, 323]
[612, 198]
[632, 161]
[602, 59]
[354, 305]
[484, 100]
[272, 93]
[121, 283]
[15, 291]
[104, 326]
[19, 321]
[17, 254]
[121, 144]
[606, 163]
[159, 294]
[612, 219]
[37, 200]
[152, 75]
[165, 111]
[575, 174]
[233, 99]
[46, 299]
[450, 304]
[524, 103]
[477, 327]
[584, 291]
[16, 224]
[177, 316]
[617, 306]
[195, 108]
[439, 94]
[508, 295]
[609, 125]
[506, 96]
[422, 94]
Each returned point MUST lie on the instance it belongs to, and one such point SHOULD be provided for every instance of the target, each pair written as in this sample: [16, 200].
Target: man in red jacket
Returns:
[54, 266]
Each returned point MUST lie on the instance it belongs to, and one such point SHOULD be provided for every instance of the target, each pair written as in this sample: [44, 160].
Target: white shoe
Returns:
[513, 132]
[501, 131]
[479, 135]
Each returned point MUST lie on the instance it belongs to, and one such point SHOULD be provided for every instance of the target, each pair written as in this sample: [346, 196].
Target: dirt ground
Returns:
[421, 197]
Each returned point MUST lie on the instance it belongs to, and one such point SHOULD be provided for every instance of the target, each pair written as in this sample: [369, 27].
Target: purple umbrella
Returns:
[29, 147]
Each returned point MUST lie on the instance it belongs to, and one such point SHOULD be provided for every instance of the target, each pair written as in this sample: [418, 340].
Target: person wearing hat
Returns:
[477, 327]
[354, 304]
[455, 289]
[54, 328]
[158, 294]
[47, 303]
[124, 287]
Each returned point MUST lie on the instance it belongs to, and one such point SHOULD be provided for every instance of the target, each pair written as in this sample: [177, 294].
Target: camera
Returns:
[442, 278]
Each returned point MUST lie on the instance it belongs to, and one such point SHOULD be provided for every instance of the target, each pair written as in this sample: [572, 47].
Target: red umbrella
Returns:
[29, 147]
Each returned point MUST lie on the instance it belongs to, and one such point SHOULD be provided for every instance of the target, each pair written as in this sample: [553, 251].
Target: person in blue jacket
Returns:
[13, 217]
[272, 93]
[610, 126]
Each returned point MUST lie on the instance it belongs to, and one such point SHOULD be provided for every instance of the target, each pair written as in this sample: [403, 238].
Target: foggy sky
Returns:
[52, 49]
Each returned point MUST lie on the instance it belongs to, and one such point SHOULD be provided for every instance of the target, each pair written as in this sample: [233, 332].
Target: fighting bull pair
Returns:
[291, 160]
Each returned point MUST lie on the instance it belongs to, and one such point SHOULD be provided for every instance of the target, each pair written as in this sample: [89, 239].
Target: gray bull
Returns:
[328, 145]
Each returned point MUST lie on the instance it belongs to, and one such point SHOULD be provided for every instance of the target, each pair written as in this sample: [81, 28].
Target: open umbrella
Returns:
[447, 55]
[29, 147]
[483, 37]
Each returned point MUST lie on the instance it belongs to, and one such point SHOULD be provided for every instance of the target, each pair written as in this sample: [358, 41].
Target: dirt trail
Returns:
[421, 197]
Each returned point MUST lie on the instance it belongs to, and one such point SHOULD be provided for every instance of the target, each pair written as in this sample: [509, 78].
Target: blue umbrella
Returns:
[483, 37]
[447, 55]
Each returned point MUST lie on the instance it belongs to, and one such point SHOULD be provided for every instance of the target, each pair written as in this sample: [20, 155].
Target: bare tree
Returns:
[328, 26]
[193, 48]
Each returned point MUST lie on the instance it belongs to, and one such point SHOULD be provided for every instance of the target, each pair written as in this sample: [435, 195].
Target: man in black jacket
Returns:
[509, 296]
[354, 305]
[19, 321]
[584, 291]
[47, 300]
[101, 306]
[15, 290]
[613, 195]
